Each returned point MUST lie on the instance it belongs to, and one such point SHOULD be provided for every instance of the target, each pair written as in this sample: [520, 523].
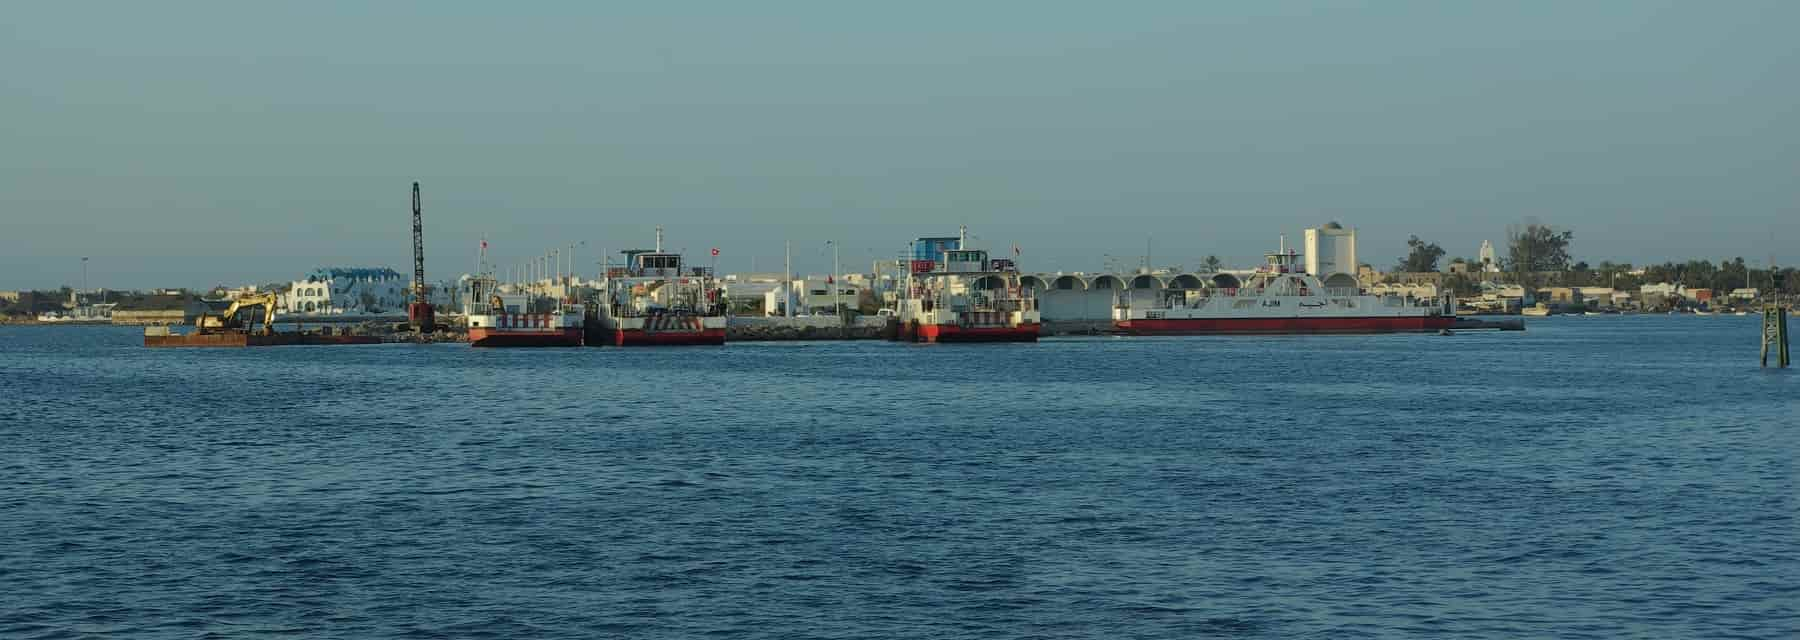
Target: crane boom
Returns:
[419, 312]
[418, 229]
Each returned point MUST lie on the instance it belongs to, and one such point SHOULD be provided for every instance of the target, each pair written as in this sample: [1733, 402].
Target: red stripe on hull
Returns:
[640, 338]
[1202, 326]
[958, 333]
[483, 337]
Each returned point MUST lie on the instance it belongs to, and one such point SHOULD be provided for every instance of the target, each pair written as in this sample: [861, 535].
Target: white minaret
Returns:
[1488, 263]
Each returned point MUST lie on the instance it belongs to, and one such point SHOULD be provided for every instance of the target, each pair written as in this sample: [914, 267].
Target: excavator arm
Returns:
[266, 301]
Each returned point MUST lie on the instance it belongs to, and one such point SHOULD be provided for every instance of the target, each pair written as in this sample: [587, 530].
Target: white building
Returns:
[1662, 290]
[1331, 249]
[1489, 262]
[354, 291]
[1604, 296]
[813, 295]
[748, 292]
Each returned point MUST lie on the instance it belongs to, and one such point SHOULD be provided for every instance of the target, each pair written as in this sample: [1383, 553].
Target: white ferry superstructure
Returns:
[1280, 297]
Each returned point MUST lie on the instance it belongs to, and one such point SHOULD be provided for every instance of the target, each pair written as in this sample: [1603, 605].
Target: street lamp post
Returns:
[837, 306]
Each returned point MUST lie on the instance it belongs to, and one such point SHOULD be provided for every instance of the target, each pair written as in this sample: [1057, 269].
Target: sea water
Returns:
[1592, 477]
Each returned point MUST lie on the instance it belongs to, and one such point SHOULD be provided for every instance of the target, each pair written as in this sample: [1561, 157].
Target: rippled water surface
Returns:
[1593, 477]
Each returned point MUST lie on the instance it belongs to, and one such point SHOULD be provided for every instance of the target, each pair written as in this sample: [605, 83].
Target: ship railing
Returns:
[626, 311]
[1249, 292]
[997, 308]
[989, 303]
[1408, 300]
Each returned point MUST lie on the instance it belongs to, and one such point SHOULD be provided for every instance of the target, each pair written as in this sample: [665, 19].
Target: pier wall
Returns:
[752, 328]
[1075, 327]
[153, 317]
[1091, 297]
[1059, 305]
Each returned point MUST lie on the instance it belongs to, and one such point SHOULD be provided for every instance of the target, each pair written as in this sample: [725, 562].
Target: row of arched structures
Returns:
[1090, 297]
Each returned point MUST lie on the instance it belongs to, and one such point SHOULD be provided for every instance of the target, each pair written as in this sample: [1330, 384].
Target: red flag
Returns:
[715, 252]
[827, 279]
[484, 243]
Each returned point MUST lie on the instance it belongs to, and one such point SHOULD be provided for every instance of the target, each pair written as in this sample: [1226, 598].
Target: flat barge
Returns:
[1488, 324]
[161, 337]
[230, 330]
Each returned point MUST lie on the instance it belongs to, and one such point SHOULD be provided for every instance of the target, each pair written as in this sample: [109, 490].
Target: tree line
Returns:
[1539, 255]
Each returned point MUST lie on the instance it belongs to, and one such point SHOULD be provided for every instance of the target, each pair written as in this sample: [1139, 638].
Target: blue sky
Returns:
[189, 144]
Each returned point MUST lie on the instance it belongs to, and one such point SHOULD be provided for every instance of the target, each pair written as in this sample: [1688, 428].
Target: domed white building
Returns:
[347, 291]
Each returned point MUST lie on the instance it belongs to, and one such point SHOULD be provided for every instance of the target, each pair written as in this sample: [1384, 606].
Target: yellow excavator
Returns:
[229, 320]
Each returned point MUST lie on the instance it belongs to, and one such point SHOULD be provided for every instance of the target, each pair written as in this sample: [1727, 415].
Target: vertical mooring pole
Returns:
[1775, 334]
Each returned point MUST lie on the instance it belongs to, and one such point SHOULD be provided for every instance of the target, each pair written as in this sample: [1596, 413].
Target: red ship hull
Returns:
[485, 337]
[640, 338]
[1204, 326]
[958, 333]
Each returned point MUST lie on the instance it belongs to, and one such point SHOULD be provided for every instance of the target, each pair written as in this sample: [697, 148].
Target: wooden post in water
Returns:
[1775, 334]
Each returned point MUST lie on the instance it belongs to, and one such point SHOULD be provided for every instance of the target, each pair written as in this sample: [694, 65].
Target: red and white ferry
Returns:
[517, 319]
[960, 295]
[1282, 298]
[654, 301]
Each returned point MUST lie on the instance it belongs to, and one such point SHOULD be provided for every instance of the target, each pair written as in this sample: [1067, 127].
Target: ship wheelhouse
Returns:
[653, 264]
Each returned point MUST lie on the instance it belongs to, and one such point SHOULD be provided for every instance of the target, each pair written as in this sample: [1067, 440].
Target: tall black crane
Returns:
[419, 312]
